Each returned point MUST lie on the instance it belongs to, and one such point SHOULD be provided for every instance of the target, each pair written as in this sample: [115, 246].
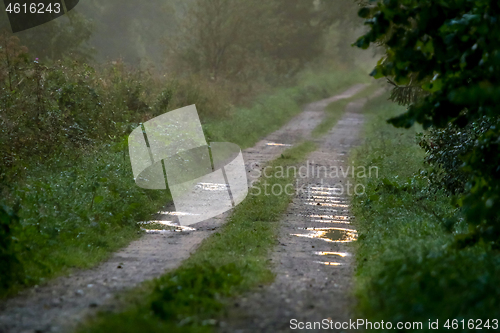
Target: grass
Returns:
[75, 213]
[335, 110]
[409, 268]
[230, 261]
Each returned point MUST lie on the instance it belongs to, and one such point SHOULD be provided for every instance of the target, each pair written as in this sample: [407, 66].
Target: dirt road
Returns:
[62, 303]
[314, 261]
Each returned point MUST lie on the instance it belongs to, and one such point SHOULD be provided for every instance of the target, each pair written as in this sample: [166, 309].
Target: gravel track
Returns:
[314, 261]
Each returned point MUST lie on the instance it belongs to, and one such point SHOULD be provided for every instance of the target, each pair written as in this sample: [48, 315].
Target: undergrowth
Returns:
[409, 268]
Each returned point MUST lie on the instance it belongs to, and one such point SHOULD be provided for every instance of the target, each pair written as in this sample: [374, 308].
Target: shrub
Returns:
[445, 149]
[11, 266]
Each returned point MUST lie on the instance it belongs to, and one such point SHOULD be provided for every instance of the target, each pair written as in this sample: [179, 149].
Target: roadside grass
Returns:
[230, 261]
[74, 211]
[409, 269]
[335, 110]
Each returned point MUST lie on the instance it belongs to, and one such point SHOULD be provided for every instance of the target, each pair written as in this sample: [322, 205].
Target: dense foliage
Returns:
[445, 148]
[451, 50]
[408, 269]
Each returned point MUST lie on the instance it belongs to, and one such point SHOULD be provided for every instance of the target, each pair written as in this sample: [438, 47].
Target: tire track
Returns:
[314, 260]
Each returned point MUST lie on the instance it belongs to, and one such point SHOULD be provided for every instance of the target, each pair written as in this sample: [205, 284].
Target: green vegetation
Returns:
[234, 259]
[65, 171]
[69, 99]
[409, 267]
[447, 53]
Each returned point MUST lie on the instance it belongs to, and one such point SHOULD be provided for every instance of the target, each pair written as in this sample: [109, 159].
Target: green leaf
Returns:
[364, 12]
[377, 73]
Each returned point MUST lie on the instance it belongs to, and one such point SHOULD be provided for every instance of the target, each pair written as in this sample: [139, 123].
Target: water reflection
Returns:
[331, 221]
[330, 190]
[328, 218]
[326, 253]
[158, 226]
[278, 144]
[328, 198]
[329, 263]
[337, 235]
[326, 204]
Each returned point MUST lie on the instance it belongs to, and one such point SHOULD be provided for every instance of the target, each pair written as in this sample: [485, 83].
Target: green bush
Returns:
[450, 50]
[445, 149]
[409, 267]
[11, 266]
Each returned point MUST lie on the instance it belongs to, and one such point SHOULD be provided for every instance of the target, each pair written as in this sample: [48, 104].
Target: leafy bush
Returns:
[409, 267]
[65, 158]
[450, 49]
[11, 266]
[445, 149]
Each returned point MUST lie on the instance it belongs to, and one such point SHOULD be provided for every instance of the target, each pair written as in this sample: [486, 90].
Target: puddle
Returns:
[162, 227]
[326, 253]
[332, 192]
[169, 223]
[327, 218]
[326, 204]
[330, 217]
[156, 231]
[329, 263]
[278, 144]
[333, 200]
[337, 235]
[323, 188]
[331, 221]
[212, 187]
[328, 198]
[315, 192]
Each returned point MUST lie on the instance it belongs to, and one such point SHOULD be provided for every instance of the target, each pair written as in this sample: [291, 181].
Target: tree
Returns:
[450, 51]
[237, 39]
[63, 37]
